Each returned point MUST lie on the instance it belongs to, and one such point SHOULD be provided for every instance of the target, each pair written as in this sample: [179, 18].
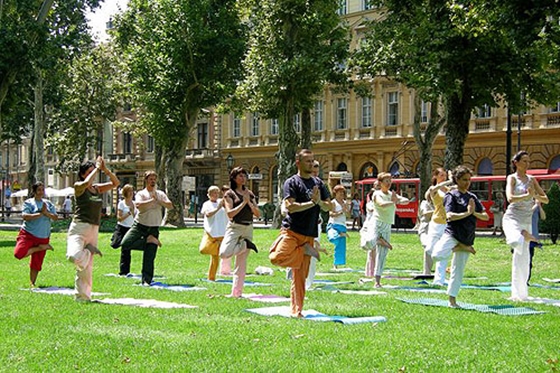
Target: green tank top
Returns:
[88, 208]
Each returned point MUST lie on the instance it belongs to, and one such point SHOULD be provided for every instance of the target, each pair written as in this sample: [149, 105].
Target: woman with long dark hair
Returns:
[240, 204]
[521, 191]
[84, 229]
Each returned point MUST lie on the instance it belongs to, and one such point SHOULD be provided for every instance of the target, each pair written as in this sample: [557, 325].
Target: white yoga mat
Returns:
[313, 315]
[60, 291]
[266, 298]
[160, 285]
[147, 303]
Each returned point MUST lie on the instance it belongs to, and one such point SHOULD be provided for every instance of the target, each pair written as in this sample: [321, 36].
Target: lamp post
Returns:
[230, 161]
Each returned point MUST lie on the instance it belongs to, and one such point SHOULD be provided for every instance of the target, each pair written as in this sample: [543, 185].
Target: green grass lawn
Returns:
[44, 332]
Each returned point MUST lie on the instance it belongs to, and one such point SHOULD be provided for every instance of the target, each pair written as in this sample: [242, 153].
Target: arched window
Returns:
[555, 163]
[342, 167]
[368, 170]
[394, 170]
[485, 167]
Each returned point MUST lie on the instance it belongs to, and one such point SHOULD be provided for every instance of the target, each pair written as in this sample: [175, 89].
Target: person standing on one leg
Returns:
[125, 218]
[367, 239]
[215, 221]
[34, 235]
[144, 233]
[385, 205]
[425, 212]
[241, 206]
[304, 196]
[441, 182]
[84, 229]
[521, 192]
[463, 208]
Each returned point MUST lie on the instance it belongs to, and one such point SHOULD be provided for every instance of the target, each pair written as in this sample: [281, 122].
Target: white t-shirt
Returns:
[214, 225]
[385, 214]
[339, 219]
[152, 215]
[125, 210]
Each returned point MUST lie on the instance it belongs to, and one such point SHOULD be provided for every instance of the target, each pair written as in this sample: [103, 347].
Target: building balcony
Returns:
[199, 153]
[553, 120]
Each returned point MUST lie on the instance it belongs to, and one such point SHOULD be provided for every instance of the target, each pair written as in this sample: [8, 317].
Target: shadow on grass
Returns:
[8, 243]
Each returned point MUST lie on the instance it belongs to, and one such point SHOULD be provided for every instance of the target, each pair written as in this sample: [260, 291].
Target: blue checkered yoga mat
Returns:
[504, 310]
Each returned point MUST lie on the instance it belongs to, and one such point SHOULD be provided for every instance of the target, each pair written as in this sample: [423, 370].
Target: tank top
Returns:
[88, 208]
[521, 209]
[245, 216]
[440, 215]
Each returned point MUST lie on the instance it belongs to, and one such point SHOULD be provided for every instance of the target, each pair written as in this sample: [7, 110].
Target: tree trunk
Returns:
[287, 147]
[174, 157]
[425, 143]
[159, 165]
[458, 116]
[306, 129]
[39, 132]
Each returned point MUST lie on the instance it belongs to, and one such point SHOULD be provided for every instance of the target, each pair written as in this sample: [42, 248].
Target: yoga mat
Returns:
[60, 291]
[229, 282]
[266, 298]
[146, 303]
[500, 287]
[131, 275]
[359, 292]
[331, 282]
[555, 280]
[551, 302]
[339, 272]
[285, 311]
[544, 286]
[416, 289]
[160, 285]
[504, 310]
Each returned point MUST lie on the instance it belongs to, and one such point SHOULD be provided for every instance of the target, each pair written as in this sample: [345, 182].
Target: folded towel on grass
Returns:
[59, 290]
[229, 282]
[285, 311]
[504, 310]
[266, 298]
[148, 303]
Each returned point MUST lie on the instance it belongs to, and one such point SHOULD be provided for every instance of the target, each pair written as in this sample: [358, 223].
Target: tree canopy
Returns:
[469, 53]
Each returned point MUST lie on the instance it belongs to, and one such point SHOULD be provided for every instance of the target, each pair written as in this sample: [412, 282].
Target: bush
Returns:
[552, 223]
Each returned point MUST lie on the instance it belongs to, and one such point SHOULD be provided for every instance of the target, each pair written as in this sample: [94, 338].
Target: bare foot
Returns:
[383, 242]
[528, 236]
[46, 247]
[93, 250]
[466, 248]
[153, 240]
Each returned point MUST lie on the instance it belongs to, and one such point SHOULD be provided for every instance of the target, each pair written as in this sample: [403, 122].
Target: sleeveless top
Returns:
[245, 216]
[440, 215]
[88, 208]
[522, 209]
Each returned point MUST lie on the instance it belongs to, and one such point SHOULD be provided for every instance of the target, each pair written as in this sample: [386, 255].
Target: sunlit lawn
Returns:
[44, 332]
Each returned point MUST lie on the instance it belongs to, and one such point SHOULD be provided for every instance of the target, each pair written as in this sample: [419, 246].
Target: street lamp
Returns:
[230, 161]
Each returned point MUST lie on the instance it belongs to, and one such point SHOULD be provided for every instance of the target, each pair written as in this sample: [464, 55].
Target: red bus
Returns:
[485, 187]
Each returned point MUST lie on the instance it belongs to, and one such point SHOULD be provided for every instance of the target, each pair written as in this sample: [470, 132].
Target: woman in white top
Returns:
[385, 204]
[521, 191]
[125, 217]
[215, 222]
[336, 226]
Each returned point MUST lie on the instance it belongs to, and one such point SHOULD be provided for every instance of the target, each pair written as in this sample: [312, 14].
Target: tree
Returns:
[469, 53]
[296, 47]
[182, 56]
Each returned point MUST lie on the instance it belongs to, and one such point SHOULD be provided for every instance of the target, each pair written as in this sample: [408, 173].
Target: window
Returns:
[342, 8]
[392, 108]
[366, 112]
[297, 123]
[555, 109]
[318, 123]
[366, 5]
[127, 143]
[341, 114]
[425, 112]
[484, 112]
[255, 125]
[485, 167]
[274, 127]
[202, 135]
[151, 144]
[236, 130]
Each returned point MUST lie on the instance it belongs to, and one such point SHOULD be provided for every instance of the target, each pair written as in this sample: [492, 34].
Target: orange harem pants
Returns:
[288, 251]
[211, 246]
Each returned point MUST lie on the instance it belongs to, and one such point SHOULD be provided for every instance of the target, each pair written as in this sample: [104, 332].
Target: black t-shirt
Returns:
[462, 230]
[303, 222]
[245, 216]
